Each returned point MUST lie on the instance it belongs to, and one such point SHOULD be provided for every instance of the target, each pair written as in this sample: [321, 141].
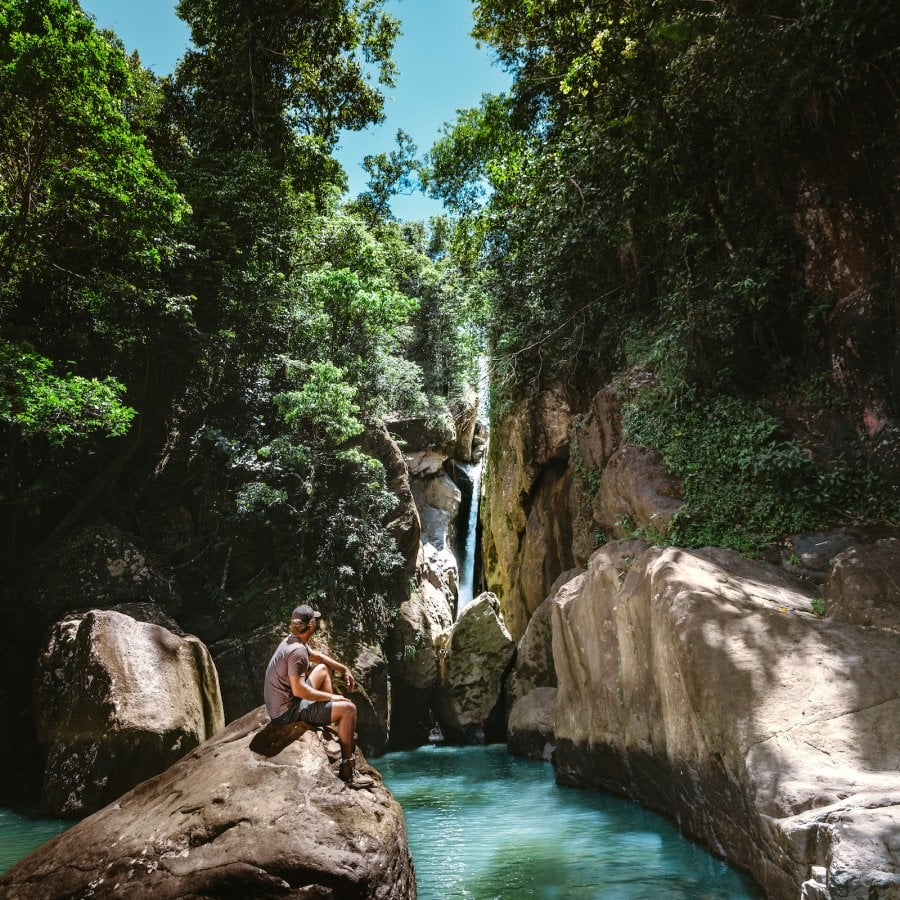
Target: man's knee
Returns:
[342, 708]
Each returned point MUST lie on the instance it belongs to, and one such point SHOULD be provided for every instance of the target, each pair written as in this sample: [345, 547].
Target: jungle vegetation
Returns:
[639, 201]
[195, 331]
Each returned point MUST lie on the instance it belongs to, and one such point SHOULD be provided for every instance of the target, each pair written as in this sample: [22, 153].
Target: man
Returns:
[298, 689]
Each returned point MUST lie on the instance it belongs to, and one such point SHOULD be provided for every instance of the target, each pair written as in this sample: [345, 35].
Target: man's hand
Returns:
[348, 677]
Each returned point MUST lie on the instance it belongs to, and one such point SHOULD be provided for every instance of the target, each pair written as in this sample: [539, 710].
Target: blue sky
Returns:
[441, 70]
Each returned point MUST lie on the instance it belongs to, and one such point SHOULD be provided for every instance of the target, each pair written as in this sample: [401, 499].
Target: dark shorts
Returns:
[316, 712]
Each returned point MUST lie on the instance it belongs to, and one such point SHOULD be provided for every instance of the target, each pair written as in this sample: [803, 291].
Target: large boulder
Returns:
[530, 730]
[437, 500]
[863, 586]
[226, 821]
[534, 653]
[473, 659]
[118, 701]
[637, 490]
[702, 684]
[414, 664]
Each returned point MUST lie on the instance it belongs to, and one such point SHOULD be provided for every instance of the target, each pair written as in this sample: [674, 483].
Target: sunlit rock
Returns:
[636, 489]
[704, 685]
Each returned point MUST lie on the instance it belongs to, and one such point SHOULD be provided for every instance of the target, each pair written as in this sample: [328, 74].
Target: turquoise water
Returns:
[22, 831]
[484, 824]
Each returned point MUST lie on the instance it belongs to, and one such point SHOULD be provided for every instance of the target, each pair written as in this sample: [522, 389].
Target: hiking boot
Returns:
[350, 776]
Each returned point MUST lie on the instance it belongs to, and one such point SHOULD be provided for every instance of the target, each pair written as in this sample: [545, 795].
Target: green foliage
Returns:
[322, 411]
[818, 606]
[745, 484]
[61, 408]
[636, 177]
[389, 174]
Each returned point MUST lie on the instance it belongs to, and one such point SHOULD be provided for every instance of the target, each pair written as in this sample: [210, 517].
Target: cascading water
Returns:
[469, 537]
[468, 540]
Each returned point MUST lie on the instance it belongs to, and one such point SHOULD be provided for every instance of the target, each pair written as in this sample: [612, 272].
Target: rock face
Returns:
[413, 664]
[226, 821]
[864, 586]
[636, 488]
[527, 531]
[118, 701]
[530, 730]
[104, 564]
[702, 684]
[473, 658]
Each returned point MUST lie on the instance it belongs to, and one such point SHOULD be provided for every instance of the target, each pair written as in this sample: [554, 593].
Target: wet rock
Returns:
[118, 701]
[702, 684]
[226, 821]
[474, 656]
[863, 587]
[530, 729]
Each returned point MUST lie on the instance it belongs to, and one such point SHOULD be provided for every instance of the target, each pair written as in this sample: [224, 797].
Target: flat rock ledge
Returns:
[253, 812]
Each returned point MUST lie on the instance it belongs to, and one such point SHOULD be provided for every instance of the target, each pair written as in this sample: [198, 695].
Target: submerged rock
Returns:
[117, 701]
[702, 684]
[226, 821]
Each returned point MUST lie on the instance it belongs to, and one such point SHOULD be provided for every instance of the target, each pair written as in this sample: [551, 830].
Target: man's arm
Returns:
[315, 657]
[299, 688]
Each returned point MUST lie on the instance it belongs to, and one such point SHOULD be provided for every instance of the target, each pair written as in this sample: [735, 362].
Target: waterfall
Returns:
[469, 535]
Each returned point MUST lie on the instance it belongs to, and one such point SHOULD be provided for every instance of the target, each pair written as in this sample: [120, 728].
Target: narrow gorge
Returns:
[578, 430]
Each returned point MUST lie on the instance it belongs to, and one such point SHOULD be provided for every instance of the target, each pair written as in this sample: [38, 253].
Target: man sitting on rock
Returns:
[298, 689]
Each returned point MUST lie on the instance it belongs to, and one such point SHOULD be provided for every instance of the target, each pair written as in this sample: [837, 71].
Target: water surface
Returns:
[22, 831]
[483, 824]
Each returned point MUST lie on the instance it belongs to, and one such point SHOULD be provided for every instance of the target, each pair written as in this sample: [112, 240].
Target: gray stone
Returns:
[118, 701]
[226, 821]
[530, 727]
[473, 658]
[863, 587]
[701, 684]
[437, 500]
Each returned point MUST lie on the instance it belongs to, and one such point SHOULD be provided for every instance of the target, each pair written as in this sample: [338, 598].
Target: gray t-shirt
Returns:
[290, 658]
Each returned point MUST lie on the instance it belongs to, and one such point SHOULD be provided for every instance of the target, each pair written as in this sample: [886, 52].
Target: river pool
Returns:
[483, 824]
